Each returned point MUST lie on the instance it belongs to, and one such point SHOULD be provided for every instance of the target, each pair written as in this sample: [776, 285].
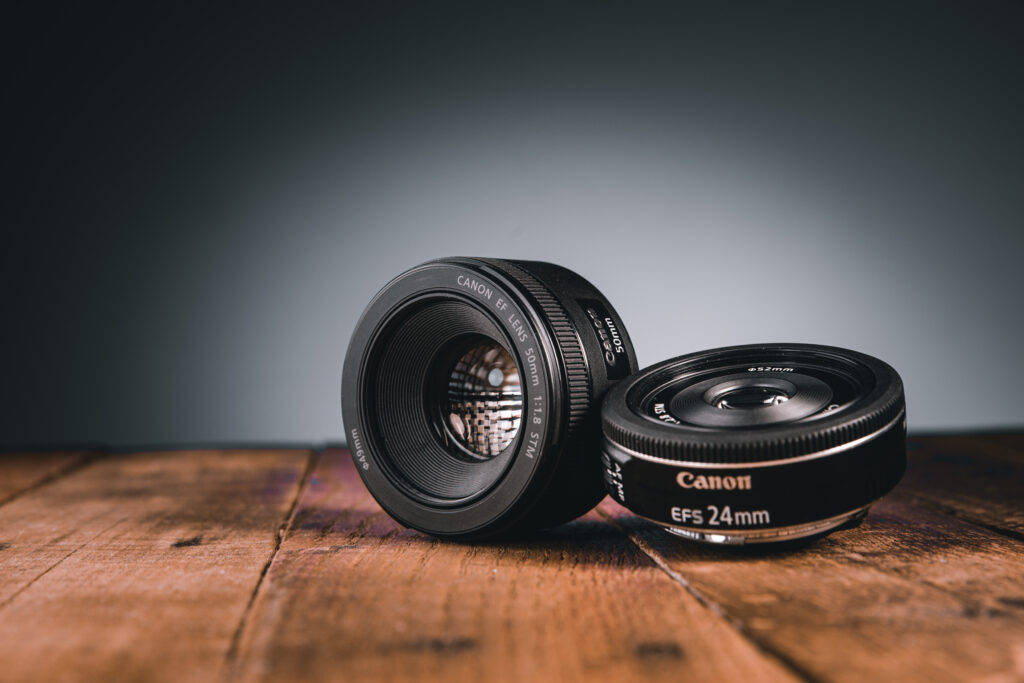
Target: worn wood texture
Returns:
[352, 596]
[139, 567]
[977, 478]
[278, 565]
[913, 594]
[20, 472]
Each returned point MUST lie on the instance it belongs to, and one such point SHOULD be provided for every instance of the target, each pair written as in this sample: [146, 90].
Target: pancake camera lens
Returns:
[756, 444]
[469, 395]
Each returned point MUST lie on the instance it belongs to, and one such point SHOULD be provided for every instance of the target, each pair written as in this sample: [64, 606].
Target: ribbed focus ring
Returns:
[569, 345]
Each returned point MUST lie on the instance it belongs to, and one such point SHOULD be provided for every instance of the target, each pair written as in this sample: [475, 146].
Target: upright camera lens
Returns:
[469, 395]
[756, 444]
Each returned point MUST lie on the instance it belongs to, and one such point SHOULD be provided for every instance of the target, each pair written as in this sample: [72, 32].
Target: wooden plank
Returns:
[22, 471]
[352, 596]
[913, 594]
[1012, 442]
[977, 478]
[139, 567]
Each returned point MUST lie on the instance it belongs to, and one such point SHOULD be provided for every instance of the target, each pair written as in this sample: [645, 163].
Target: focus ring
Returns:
[571, 349]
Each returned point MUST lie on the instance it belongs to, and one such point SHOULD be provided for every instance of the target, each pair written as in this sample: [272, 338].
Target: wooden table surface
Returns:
[278, 565]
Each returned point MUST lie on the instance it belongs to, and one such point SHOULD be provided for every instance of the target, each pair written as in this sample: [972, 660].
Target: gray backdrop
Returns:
[202, 201]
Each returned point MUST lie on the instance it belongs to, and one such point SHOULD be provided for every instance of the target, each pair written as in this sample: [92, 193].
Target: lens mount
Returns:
[756, 444]
[468, 395]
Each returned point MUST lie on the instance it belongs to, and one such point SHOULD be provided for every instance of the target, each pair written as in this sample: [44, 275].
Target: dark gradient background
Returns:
[200, 201]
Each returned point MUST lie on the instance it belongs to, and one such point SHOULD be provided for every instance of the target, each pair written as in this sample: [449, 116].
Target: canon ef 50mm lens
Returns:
[471, 395]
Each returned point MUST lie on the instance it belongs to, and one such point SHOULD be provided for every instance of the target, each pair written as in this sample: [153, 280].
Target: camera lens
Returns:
[469, 392]
[756, 444]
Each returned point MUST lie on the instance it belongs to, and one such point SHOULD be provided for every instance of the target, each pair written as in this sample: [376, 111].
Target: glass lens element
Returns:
[484, 402]
[751, 397]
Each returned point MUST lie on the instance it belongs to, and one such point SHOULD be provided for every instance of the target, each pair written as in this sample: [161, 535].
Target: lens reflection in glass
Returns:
[484, 402]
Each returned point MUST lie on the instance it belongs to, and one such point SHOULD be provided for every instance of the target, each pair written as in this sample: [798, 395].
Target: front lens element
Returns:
[484, 403]
[746, 395]
[750, 397]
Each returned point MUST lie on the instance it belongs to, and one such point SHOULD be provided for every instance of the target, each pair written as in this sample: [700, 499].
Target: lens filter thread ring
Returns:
[624, 425]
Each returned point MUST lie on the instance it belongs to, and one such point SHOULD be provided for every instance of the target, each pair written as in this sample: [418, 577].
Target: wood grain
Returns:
[250, 565]
[913, 594]
[139, 567]
[22, 471]
[977, 478]
[352, 596]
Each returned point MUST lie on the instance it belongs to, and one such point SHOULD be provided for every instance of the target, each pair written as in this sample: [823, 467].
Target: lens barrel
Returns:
[756, 444]
[470, 394]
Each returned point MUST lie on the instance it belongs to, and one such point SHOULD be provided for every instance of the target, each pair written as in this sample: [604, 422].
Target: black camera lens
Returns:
[470, 391]
[756, 444]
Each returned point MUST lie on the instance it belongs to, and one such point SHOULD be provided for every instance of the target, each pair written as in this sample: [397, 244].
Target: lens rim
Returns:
[627, 425]
[399, 372]
[528, 339]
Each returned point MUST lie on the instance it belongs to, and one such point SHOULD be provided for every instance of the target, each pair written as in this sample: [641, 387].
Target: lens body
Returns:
[470, 391]
[756, 444]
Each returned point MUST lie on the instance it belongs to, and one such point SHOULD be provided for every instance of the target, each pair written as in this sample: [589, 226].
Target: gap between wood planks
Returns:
[56, 564]
[230, 657]
[70, 563]
[75, 463]
[925, 499]
[966, 517]
[403, 604]
[931, 518]
[716, 609]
